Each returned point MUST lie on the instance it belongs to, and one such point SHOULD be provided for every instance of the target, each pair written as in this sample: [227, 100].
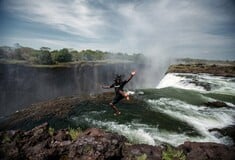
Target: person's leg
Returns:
[116, 99]
[115, 108]
[124, 94]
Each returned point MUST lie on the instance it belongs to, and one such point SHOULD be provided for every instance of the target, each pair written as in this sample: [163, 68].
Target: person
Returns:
[119, 92]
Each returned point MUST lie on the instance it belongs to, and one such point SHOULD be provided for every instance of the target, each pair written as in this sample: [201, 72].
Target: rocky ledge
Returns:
[42, 142]
[226, 70]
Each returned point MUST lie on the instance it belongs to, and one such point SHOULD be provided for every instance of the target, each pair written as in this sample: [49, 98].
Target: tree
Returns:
[63, 56]
[44, 57]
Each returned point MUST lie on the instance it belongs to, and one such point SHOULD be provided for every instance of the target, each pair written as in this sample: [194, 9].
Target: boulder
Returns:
[216, 104]
[209, 151]
[62, 135]
[227, 131]
[144, 151]
[96, 144]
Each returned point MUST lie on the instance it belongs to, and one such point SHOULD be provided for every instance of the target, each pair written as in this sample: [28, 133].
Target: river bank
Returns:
[217, 68]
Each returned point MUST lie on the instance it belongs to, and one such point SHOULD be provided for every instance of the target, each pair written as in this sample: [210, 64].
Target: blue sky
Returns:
[184, 28]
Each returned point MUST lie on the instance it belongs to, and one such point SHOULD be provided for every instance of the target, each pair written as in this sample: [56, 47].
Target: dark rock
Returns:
[132, 152]
[205, 85]
[209, 151]
[62, 135]
[95, 132]
[216, 104]
[227, 131]
[9, 151]
[95, 144]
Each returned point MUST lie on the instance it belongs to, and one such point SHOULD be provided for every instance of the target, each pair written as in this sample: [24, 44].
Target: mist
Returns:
[160, 29]
[21, 86]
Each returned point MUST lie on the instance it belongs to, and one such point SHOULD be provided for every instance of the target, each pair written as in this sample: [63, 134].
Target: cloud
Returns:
[74, 17]
[152, 26]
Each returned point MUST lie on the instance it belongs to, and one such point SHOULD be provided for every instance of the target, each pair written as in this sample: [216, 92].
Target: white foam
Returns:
[218, 84]
[134, 134]
[130, 92]
[144, 134]
[201, 118]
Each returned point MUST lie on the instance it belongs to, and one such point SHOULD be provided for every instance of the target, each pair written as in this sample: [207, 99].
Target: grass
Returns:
[6, 139]
[51, 131]
[171, 154]
[74, 133]
[142, 157]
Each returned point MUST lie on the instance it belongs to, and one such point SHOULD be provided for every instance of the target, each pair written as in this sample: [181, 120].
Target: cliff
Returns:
[22, 85]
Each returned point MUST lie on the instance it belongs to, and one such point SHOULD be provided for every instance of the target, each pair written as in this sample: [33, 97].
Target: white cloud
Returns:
[74, 17]
[154, 27]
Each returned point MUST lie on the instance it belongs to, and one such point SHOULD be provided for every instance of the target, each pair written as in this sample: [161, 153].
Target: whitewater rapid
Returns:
[199, 82]
[173, 112]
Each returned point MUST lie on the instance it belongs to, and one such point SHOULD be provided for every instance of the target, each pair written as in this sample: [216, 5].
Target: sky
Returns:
[182, 28]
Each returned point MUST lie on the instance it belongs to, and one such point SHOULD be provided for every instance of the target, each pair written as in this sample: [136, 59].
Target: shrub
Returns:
[171, 154]
[62, 56]
[74, 133]
[51, 131]
[44, 57]
[142, 157]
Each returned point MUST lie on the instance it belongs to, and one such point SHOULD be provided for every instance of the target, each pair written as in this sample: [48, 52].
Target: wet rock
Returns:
[133, 152]
[205, 85]
[209, 151]
[216, 104]
[227, 131]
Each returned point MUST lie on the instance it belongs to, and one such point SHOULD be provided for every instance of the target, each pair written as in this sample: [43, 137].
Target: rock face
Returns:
[22, 85]
[216, 104]
[226, 70]
[202, 151]
[41, 143]
[133, 152]
[227, 131]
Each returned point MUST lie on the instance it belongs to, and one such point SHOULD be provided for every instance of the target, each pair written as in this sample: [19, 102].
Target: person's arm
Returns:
[107, 86]
[131, 76]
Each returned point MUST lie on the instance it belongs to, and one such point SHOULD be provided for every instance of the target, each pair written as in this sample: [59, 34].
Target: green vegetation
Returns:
[62, 55]
[51, 131]
[5, 139]
[171, 154]
[142, 157]
[74, 133]
[44, 56]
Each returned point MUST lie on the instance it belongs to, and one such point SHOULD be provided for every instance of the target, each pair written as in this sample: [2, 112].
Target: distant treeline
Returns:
[47, 56]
